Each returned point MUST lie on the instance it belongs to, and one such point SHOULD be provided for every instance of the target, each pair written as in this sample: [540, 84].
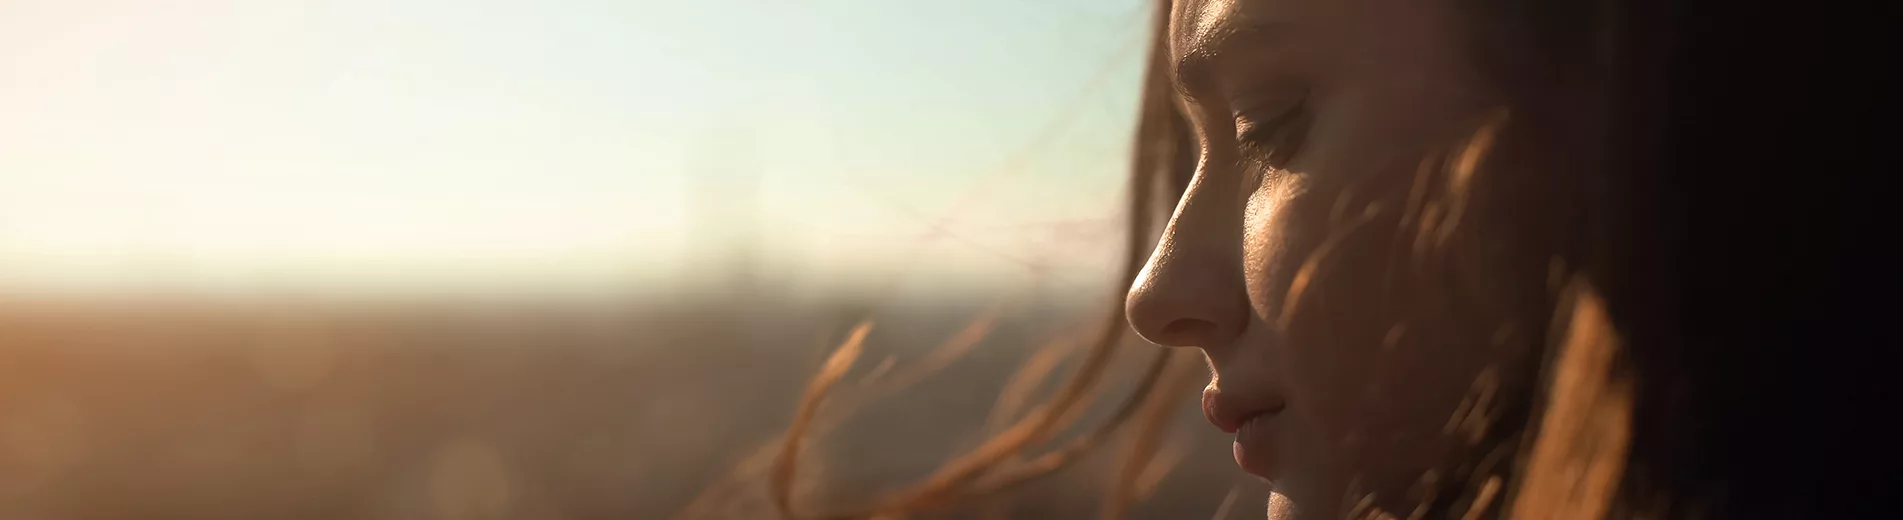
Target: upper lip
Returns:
[1229, 413]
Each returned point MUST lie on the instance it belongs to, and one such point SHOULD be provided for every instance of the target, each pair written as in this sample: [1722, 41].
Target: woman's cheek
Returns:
[1318, 278]
[1271, 240]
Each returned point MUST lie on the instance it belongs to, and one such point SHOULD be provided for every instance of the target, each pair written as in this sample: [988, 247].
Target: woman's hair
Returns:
[1695, 278]
[1163, 156]
[1723, 258]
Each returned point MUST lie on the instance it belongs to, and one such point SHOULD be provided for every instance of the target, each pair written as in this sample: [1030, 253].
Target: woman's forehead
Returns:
[1191, 20]
[1200, 29]
[1196, 26]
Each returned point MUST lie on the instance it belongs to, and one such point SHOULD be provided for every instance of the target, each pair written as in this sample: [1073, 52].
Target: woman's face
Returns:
[1325, 253]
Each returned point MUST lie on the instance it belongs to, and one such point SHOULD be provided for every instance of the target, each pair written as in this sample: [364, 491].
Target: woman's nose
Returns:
[1191, 293]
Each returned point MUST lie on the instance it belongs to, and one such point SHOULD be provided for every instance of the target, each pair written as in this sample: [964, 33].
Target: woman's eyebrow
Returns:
[1192, 71]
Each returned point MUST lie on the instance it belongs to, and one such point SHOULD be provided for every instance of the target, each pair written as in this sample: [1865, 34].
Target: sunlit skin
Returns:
[1294, 261]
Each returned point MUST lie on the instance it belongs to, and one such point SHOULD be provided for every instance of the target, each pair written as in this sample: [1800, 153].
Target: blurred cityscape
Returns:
[396, 259]
[644, 405]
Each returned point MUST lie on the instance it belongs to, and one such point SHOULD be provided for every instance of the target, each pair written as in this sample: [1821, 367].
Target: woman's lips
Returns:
[1250, 421]
[1228, 412]
[1253, 446]
[1214, 411]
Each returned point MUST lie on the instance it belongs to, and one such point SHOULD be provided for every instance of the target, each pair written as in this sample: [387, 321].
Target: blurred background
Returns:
[554, 259]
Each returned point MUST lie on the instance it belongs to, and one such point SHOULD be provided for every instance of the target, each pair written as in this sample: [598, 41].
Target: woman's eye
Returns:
[1272, 135]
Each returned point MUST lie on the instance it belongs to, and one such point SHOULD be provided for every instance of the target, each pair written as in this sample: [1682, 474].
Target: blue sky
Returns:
[401, 145]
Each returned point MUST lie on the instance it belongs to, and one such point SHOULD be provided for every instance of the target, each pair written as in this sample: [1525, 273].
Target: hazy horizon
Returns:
[243, 147]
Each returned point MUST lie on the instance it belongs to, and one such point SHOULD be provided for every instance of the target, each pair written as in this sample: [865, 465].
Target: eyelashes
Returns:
[1271, 134]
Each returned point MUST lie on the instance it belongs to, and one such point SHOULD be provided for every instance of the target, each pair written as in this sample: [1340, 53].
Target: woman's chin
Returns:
[1281, 508]
[1254, 448]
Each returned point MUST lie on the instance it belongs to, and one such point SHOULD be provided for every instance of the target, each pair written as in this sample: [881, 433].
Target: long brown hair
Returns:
[1162, 158]
[1650, 386]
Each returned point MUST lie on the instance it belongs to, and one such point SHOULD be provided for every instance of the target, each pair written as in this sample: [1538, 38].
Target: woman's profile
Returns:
[1480, 258]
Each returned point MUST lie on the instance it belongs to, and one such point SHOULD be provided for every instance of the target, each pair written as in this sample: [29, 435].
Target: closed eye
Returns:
[1272, 134]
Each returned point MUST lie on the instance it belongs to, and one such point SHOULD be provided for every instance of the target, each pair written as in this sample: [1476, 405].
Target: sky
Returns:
[244, 146]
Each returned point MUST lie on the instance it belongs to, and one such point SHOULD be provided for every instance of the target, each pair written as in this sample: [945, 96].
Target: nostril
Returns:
[1187, 332]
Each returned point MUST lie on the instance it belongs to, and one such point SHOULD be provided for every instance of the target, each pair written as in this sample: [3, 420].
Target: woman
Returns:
[1381, 219]
[1437, 255]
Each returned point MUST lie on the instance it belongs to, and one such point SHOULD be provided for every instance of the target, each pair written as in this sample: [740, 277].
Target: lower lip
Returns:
[1252, 447]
